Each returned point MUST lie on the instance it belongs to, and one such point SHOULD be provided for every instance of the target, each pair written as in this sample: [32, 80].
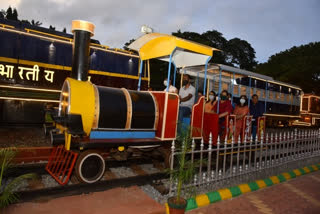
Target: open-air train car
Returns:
[281, 100]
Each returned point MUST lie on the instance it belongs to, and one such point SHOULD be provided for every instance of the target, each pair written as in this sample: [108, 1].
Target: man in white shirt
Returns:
[187, 96]
[172, 89]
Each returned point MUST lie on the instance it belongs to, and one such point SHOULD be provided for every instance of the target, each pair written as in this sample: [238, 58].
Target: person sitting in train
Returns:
[225, 108]
[211, 103]
[256, 110]
[172, 89]
[241, 110]
[187, 97]
[200, 94]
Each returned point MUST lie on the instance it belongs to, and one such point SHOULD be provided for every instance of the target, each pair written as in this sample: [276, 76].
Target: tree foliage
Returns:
[234, 52]
[298, 65]
[240, 52]
[52, 28]
[36, 23]
[125, 47]
[12, 14]
[15, 14]
[9, 13]
[2, 14]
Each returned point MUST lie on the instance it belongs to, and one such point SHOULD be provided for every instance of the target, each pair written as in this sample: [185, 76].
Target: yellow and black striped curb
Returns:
[227, 193]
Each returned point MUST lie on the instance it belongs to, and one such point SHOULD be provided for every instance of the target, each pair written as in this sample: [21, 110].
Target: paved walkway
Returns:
[300, 195]
[115, 201]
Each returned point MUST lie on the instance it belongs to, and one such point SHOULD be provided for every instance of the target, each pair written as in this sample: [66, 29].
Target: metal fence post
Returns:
[261, 151]
[231, 155]
[201, 159]
[171, 165]
[217, 158]
[224, 156]
[209, 158]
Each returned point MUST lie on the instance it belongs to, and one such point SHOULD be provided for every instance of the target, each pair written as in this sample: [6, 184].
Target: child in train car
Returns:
[200, 94]
[211, 103]
[172, 89]
[256, 110]
[241, 110]
[225, 108]
[187, 97]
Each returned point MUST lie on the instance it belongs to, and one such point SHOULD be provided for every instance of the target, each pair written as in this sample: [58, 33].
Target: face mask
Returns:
[211, 97]
[165, 82]
[185, 82]
[242, 101]
[223, 97]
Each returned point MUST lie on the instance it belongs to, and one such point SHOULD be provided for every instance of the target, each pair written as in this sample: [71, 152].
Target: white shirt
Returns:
[185, 92]
[172, 89]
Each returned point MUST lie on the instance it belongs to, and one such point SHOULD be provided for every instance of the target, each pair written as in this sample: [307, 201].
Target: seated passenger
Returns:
[199, 94]
[225, 108]
[211, 103]
[187, 96]
[240, 111]
[256, 110]
[172, 89]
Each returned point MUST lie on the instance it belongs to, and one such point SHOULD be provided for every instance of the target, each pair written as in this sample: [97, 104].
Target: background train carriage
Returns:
[35, 61]
[281, 100]
[309, 110]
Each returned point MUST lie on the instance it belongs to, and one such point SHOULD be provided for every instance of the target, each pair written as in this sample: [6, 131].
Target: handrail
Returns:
[8, 26]
[48, 34]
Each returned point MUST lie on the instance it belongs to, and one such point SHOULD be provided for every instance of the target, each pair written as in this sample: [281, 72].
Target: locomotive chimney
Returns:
[82, 31]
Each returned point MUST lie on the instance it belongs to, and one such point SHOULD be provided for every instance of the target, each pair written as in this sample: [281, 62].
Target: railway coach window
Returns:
[243, 81]
[285, 89]
[260, 84]
[274, 87]
[315, 105]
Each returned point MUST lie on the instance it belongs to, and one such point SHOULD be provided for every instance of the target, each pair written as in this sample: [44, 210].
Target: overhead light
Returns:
[51, 46]
[130, 60]
[145, 29]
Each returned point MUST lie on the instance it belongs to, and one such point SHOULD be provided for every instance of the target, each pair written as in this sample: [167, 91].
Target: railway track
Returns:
[135, 172]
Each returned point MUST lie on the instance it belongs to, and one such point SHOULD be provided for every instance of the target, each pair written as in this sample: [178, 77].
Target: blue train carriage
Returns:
[35, 61]
[281, 101]
[95, 119]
